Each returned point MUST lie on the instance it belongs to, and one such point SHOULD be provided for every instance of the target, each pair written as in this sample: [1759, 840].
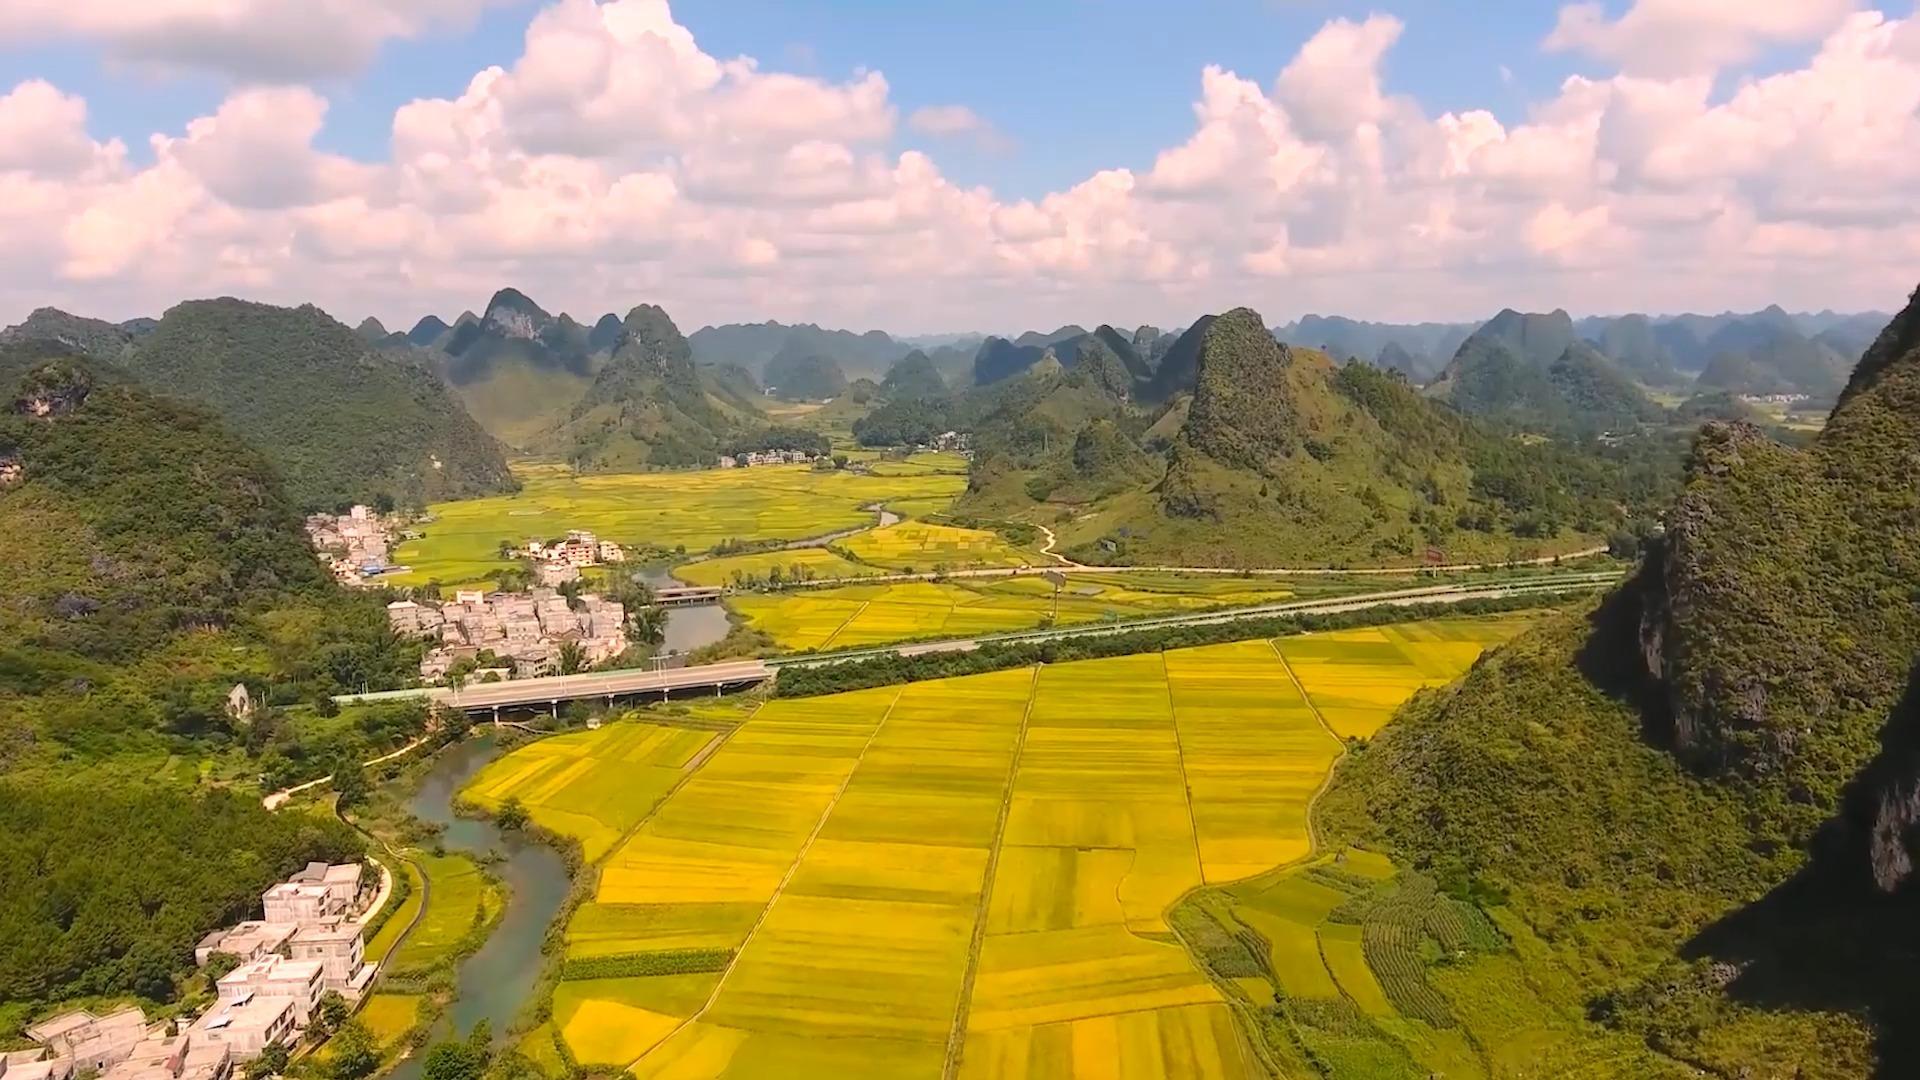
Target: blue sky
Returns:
[1076, 85]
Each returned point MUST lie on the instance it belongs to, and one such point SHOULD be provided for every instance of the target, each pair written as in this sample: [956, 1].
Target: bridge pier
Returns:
[556, 708]
[496, 716]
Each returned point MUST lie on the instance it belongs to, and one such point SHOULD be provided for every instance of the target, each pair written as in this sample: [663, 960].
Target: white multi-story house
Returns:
[299, 981]
[340, 949]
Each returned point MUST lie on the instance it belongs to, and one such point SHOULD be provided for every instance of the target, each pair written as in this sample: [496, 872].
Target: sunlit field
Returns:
[458, 898]
[592, 786]
[810, 563]
[1357, 678]
[697, 510]
[849, 616]
[923, 547]
[845, 881]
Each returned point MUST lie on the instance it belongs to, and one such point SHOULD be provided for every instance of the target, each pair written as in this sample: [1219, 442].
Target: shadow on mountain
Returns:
[1843, 935]
[1613, 657]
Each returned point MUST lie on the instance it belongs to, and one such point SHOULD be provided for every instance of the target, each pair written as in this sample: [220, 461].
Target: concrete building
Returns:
[339, 949]
[35, 1064]
[249, 940]
[90, 1041]
[248, 1026]
[296, 903]
[176, 1057]
[298, 981]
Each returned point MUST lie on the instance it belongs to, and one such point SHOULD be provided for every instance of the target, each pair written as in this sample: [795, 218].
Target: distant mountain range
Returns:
[1788, 353]
[340, 419]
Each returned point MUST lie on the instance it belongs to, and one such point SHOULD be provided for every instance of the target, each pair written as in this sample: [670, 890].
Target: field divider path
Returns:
[842, 628]
[786, 878]
[1186, 782]
[1230, 993]
[1313, 828]
[957, 1034]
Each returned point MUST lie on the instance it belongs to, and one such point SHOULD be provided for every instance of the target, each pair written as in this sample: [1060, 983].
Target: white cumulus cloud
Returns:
[615, 161]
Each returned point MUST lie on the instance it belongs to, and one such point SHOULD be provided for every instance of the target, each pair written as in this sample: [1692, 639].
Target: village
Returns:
[502, 635]
[766, 457]
[356, 545]
[274, 973]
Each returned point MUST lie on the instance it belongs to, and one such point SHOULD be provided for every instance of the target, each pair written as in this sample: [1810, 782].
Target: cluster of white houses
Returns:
[765, 457]
[308, 941]
[525, 630]
[354, 545]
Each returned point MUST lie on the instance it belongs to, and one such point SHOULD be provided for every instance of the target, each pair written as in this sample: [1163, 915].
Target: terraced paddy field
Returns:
[848, 616]
[665, 510]
[1377, 972]
[978, 870]
[593, 786]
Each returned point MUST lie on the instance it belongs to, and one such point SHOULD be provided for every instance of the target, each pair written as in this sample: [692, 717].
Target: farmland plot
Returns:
[865, 884]
[592, 786]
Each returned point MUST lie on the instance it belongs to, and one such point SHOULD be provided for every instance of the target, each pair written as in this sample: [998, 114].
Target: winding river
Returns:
[495, 982]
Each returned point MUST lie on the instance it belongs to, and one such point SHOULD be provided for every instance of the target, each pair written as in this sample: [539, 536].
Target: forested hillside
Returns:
[1531, 373]
[1700, 794]
[105, 891]
[516, 367]
[340, 421]
[152, 561]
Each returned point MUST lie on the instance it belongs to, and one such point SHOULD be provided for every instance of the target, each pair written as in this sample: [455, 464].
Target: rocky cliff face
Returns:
[1778, 624]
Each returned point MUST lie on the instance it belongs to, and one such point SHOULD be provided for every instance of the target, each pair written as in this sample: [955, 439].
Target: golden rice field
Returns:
[922, 547]
[389, 1017]
[664, 509]
[388, 936]
[1357, 678]
[593, 786]
[815, 563]
[460, 898]
[861, 884]
[848, 616]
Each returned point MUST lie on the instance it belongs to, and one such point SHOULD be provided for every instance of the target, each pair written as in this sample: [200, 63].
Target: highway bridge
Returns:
[640, 684]
[687, 596]
[548, 692]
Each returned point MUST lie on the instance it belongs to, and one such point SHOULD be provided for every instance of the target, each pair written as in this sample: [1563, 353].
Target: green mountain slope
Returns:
[517, 368]
[798, 375]
[92, 337]
[648, 405]
[152, 560]
[1700, 795]
[1499, 374]
[1274, 456]
[913, 377]
[340, 421]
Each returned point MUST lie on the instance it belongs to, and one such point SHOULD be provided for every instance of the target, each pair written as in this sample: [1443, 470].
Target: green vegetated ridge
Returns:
[1688, 809]
[340, 420]
[1237, 450]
